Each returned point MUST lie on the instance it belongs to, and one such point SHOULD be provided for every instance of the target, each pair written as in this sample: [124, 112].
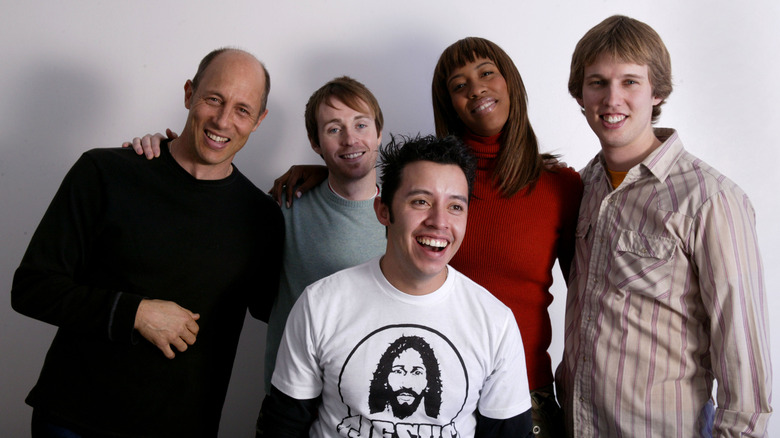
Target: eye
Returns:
[419, 202]
[457, 87]
[459, 208]
[212, 100]
[362, 126]
[333, 130]
[486, 73]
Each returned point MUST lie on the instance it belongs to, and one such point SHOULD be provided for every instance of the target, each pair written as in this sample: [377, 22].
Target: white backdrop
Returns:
[86, 74]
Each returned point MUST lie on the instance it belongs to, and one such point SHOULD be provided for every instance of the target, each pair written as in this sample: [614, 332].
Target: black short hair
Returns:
[402, 150]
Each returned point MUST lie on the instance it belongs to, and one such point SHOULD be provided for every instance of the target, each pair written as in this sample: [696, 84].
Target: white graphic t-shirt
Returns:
[391, 364]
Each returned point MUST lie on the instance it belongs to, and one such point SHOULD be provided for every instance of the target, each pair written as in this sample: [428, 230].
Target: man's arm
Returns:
[285, 417]
[515, 427]
[505, 392]
[732, 289]
[571, 209]
[299, 178]
[50, 285]
[267, 274]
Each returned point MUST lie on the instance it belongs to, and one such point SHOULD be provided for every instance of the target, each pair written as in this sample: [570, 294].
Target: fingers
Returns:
[280, 184]
[166, 324]
[149, 145]
[307, 184]
[136, 145]
[167, 352]
[293, 178]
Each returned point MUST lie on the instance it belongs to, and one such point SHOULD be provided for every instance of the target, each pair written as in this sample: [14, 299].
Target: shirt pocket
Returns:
[581, 235]
[642, 263]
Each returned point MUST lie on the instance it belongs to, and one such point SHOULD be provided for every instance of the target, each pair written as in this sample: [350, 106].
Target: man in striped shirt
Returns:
[666, 294]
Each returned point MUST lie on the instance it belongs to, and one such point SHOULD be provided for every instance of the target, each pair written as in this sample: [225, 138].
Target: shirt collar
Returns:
[659, 163]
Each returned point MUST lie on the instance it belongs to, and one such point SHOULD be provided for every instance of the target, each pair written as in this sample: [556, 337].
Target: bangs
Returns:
[463, 52]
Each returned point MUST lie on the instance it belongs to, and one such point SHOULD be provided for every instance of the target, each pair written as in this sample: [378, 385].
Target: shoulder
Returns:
[250, 190]
[481, 298]
[110, 164]
[344, 283]
[113, 157]
[316, 198]
[593, 169]
[699, 183]
[564, 178]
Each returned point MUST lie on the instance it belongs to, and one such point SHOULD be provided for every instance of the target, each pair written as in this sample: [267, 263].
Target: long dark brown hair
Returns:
[519, 162]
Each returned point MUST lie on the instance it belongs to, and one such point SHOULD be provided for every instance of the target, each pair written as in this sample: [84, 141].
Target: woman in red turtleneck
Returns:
[523, 213]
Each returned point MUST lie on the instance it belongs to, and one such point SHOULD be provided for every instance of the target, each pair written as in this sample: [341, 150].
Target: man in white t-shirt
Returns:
[404, 345]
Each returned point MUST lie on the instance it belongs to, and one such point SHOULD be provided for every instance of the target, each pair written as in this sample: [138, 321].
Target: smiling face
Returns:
[348, 142]
[429, 211]
[480, 97]
[223, 111]
[618, 100]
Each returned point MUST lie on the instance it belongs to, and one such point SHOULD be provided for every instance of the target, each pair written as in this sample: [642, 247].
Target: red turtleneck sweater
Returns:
[511, 245]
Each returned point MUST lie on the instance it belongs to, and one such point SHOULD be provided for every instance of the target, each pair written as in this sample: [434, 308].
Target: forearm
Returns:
[515, 427]
[59, 301]
[285, 417]
[731, 282]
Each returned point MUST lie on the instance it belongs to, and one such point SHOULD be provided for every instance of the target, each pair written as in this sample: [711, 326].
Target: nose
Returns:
[613, 96]
[437, 217]
[476, 88]
[222, 117]
[349, 136]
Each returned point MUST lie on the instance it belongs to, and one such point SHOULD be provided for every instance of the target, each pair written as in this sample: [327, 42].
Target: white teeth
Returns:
[353, 155]
[484, 106]
[216, 137]
[614, 118]
[436, 243]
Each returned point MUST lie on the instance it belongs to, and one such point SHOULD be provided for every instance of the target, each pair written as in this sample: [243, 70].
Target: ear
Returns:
[379, 139]
[579, 102]
[656, 100]
[315, 146]
[382, 211]
[260, 119]
[188, 92]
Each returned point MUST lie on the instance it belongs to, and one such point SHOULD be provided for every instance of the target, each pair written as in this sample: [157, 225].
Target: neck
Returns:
[184, 157]
[622, 159]
[403, 281]
[354, 190]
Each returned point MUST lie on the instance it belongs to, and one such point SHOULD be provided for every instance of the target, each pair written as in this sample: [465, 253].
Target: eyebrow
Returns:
[627, 75]
[463, 199]
[358, 117]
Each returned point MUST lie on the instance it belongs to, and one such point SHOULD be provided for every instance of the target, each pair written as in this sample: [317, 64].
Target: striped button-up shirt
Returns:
[665, 295]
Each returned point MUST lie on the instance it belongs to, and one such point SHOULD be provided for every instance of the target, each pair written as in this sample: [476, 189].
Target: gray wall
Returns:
[79, 75]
